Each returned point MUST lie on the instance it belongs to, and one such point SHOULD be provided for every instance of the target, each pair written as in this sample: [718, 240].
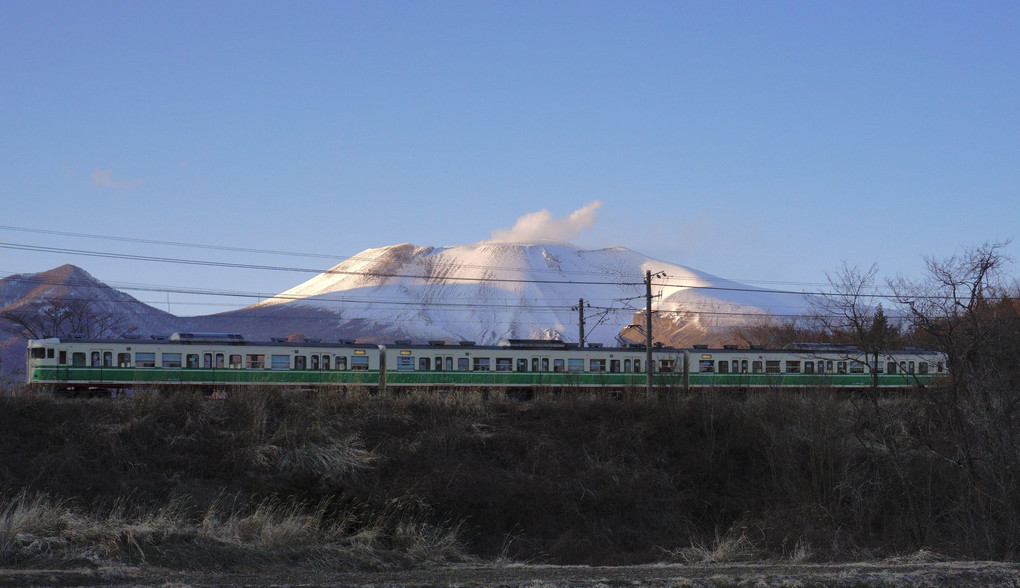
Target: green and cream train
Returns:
[211, 361]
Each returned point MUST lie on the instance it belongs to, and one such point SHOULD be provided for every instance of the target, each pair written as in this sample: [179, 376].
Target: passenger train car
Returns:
[211, 362]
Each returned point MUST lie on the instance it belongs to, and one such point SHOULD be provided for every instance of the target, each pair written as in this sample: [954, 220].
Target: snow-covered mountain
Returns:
[490, 291]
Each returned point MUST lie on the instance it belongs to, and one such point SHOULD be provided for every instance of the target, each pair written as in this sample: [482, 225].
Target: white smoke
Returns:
[541, 226]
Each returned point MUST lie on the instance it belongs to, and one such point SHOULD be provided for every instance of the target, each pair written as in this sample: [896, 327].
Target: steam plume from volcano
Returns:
[542, 226]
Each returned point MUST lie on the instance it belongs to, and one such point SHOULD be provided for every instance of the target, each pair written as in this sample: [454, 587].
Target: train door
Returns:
[211, 361]
[62, 371]
[101, 359]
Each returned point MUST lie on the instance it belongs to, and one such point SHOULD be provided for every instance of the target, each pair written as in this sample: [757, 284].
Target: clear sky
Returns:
[760, 141]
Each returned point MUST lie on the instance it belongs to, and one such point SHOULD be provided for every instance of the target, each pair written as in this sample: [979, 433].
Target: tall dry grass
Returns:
[565, 478]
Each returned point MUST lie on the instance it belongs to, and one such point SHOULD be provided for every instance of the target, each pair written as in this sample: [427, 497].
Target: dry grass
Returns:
[37, 528]
[562, 478]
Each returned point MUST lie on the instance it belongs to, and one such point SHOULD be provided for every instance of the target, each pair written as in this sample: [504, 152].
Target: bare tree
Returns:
[852, 313]
[965, 310]
[962, 308]
[40, 319]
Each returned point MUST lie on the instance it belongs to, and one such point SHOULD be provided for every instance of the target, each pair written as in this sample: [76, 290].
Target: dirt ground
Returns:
[715, 575]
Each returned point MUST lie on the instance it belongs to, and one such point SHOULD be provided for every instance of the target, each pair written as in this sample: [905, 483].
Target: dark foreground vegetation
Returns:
[357, 481]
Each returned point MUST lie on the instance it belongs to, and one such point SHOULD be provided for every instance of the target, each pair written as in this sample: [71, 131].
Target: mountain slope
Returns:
[490, 291]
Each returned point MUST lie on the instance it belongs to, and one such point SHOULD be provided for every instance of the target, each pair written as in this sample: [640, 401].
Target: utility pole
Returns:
[648, 333]
[580, 322]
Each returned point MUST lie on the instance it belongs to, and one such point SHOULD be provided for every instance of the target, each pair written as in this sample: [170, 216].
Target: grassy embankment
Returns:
[358, 481]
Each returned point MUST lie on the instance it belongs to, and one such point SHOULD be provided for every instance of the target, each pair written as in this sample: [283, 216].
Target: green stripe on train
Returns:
[136, 376]
[210, 377]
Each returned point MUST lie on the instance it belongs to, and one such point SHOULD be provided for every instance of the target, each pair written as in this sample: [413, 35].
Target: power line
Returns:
[310, 255]
[343, 258]
[333, 271]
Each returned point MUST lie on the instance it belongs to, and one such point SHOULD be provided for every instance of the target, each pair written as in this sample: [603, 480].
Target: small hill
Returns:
[74, 291]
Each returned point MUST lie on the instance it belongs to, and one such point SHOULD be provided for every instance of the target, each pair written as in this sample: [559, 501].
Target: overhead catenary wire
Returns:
[344, 258]
[469, 279]
[392, 275]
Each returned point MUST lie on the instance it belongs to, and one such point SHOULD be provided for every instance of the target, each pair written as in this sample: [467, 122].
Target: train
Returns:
[221, 361]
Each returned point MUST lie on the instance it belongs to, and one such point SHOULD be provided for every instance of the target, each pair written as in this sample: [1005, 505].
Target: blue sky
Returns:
[758, 141]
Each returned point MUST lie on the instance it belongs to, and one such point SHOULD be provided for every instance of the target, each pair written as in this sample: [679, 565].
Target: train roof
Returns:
[237, 340]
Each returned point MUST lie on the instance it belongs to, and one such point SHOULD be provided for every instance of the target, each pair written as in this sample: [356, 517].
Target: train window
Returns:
[938, 367]
[597, 365]
[903, 367]
[828, 365]
[809, 367]
[219, 360]
[145, 360]
[63, 359]
[756, 367]
[463, 364]
[95, 359]
[891, 367]
[724, 367]
[840, 367]
[300, 362]
[743, 366]
[207, 360]
[439, 363]
[192, 360]
[534, 364]
[38, 353]
[481, 364]
[772, 366]
[405, 363]
[559, 365]
[279, 362]
[448, 364]
[856, 367]
[545, 364]
[705, 366]
[910, 367]
[124, 360]
[614, 366]
[637, 365]
[575, 365]
[522, 365]
[666, 365]
[627, 365]
[922, 367]
[881, 367]
[793, 367]
[424, 364]
[315, 362]
[108, 359]
[341, 362]
[235, 362]
[325, 362]
[171, 360]
[359, 363]
[504, 364]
